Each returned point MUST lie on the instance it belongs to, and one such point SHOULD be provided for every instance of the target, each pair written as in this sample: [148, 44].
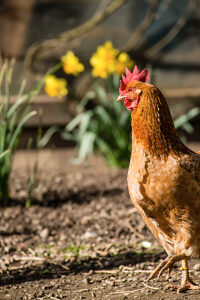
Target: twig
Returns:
[106, 250]
[152, 51]
[128, 269]
[142, 271]
[80, 291]
[125, 292]
[150, 287]
[100, 16]
[85, 290]
[134, 40]
[111, 272]
[63, 266]
[29, 258]
[131, 211]
[69, 35]
[132, 229]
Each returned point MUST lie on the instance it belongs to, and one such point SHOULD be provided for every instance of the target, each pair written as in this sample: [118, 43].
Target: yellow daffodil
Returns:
[55, 87]
[71, 64]
[123, 62]
[103, 60]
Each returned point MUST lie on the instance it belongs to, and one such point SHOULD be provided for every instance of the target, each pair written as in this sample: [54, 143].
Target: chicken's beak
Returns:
[120, 98]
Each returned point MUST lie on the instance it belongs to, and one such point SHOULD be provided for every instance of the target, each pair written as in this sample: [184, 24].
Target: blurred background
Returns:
[162, 36]
[163, 33]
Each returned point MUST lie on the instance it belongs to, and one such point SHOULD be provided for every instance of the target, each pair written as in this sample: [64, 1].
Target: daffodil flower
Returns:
[55, 87]
[107, 60]
[103, 60]
[71, 64]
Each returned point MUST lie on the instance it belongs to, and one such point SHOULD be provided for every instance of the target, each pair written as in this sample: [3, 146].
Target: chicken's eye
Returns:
[131, 89]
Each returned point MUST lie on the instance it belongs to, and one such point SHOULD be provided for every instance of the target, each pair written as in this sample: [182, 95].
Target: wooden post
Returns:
[14, 23]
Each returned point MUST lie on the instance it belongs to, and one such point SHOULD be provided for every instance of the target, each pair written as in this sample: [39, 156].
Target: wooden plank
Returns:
[182, 93]
[59, 111]
[55, 111]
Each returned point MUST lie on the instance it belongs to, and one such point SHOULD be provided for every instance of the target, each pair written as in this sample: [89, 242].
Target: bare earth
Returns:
[80, 239]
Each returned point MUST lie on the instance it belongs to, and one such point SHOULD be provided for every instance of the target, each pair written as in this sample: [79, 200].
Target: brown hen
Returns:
[163, 176]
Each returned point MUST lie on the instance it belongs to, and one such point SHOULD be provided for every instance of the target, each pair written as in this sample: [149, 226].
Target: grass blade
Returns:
[19, 127]
[4, 154]
[47, 136]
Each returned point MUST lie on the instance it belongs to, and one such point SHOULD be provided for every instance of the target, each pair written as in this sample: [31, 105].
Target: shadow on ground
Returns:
[51, 270]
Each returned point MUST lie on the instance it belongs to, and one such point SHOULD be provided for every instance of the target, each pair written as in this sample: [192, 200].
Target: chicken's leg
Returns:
[186, 283]
[158, 268]
[167, 263]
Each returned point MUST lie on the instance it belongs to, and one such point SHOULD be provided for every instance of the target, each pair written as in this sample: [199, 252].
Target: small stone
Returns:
[196, 267]
[86, 280]
[62, 236]
[22, 194]
[44, 233]
[146, 244]
[90, 234]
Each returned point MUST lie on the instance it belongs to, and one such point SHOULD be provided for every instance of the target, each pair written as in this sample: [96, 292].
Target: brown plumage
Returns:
[163, 178]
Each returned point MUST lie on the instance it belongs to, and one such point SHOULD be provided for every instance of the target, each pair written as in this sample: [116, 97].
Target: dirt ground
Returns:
[80, 239]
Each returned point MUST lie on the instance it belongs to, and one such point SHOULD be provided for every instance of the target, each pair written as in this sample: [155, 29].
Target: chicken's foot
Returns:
[169, 272]
[186, 283]
[158, 268]
[167, 263]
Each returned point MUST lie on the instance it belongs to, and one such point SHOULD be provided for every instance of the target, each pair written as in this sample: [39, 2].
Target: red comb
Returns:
[136, 75]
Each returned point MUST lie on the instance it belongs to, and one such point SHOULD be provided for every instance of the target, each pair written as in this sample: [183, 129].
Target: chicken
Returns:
[163, 176]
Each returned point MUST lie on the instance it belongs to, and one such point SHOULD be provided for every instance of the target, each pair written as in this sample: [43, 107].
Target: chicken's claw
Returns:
[171, 261]
[158, 268]
[189, 285]
[165, 264]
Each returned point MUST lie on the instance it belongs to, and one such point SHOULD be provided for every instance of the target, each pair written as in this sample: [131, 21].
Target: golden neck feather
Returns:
[153, 126]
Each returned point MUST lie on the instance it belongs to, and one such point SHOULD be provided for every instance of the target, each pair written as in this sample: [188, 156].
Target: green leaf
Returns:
[85, 121]
[87, 145]
[101, 94]
[19, 127]
[188, 127]
[193, 113]
[105, 127]
[4, 154]
[14, 107]
[2, 73]
[8, 77]
[75, 122]
[180, 121]
[103, 146]
[47, 136]
[116, 82]
[3, 128]
[68, 136]
[105, 117]
[90, 95]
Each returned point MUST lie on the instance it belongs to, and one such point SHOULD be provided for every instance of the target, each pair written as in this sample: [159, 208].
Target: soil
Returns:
[80, 239]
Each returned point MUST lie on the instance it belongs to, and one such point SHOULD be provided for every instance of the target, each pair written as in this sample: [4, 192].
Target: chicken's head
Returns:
[128, 90]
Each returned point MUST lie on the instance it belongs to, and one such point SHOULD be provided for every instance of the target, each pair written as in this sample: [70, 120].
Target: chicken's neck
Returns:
[153, 127]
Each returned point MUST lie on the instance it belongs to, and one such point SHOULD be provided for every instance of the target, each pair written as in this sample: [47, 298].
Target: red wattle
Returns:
[131, 105]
